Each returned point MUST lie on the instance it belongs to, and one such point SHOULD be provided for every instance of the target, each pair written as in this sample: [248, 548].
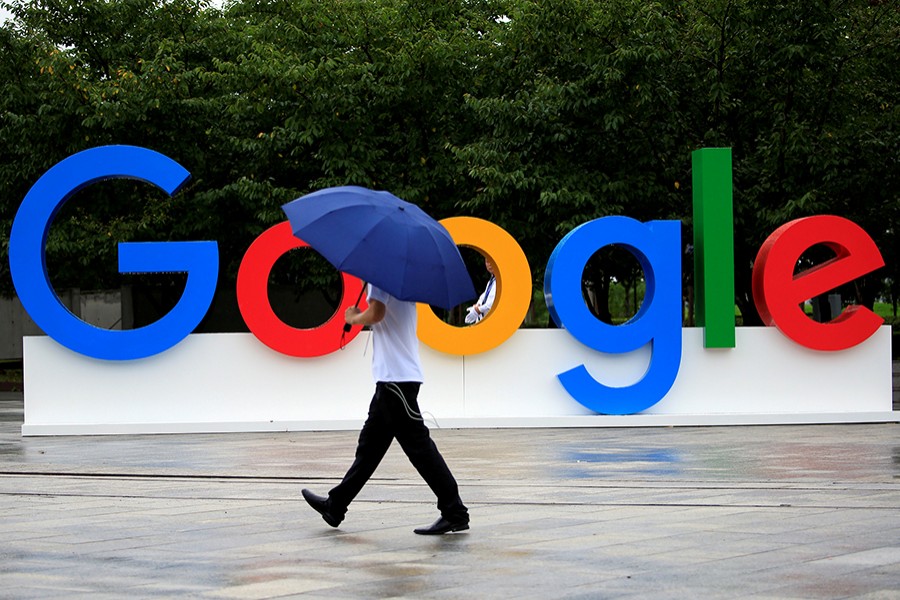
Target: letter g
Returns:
[27, 243]
[657, 246]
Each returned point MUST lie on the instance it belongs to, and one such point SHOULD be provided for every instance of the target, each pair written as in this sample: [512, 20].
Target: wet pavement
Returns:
[810, 511]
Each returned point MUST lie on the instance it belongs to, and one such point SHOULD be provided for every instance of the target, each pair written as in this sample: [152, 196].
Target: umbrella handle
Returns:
[347, 326]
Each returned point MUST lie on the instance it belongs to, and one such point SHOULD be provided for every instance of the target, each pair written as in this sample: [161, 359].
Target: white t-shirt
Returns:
[486, 300]
[395, 345]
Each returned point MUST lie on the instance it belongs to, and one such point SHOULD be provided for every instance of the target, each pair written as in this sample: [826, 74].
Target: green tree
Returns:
[94, 73]
[262, 102]
[539, 116]
[583, 122]
[602, 104]
[805, 94]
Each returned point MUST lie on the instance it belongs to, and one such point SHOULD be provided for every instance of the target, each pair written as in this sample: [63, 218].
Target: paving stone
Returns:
[729, 512]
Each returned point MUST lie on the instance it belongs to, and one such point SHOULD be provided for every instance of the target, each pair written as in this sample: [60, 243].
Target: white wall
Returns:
[232, 382]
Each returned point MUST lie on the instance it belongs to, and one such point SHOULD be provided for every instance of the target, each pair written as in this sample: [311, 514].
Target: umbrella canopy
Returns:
[385, 241]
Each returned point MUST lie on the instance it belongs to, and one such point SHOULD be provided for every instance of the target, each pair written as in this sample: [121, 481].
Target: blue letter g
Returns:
[27, 242]
[657, 246]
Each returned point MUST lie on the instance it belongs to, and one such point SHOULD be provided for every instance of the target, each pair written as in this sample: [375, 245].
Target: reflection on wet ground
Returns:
[638, 462]
[772, 452]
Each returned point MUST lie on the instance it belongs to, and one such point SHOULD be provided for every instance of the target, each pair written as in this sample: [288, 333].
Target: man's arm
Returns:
[373, 314]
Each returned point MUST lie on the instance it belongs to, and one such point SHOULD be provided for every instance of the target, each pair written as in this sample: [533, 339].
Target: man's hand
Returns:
[350, 314]
[373, 314]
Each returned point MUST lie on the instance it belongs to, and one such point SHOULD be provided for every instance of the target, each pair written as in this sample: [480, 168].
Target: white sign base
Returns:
[231, 382]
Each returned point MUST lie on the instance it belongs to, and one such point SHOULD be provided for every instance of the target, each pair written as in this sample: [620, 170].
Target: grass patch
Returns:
[886, 312]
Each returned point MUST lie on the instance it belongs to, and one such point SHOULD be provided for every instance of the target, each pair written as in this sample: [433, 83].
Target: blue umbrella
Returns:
[385, 241]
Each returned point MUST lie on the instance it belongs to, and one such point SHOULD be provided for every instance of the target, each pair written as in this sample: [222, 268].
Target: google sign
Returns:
[655, 334]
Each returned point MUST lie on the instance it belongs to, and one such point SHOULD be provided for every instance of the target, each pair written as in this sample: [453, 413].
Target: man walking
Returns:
[394, 413]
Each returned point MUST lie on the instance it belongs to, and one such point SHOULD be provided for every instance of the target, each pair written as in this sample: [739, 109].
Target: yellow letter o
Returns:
[513, 296]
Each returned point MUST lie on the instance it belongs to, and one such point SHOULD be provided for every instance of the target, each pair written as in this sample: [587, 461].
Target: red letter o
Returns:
[253, 300]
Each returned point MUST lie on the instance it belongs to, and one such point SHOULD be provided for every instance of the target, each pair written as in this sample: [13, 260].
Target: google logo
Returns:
[778, 290]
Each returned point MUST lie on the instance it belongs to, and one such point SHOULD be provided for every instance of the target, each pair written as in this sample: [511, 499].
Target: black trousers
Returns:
[389, 419]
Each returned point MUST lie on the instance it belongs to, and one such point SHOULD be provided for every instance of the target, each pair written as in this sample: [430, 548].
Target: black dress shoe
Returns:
[321, 506]
[442, 526]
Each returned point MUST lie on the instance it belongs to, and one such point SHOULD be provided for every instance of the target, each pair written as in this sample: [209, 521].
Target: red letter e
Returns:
[778, 293]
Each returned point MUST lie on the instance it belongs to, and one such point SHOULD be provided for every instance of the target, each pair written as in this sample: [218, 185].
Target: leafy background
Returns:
[535, 115]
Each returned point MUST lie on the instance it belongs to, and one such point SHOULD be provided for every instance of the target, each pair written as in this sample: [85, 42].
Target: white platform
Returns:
[232, 382]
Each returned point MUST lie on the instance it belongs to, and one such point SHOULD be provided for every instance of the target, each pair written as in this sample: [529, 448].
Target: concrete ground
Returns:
[729, 512]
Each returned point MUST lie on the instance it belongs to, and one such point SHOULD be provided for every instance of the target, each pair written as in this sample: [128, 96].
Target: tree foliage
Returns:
[539, 116]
